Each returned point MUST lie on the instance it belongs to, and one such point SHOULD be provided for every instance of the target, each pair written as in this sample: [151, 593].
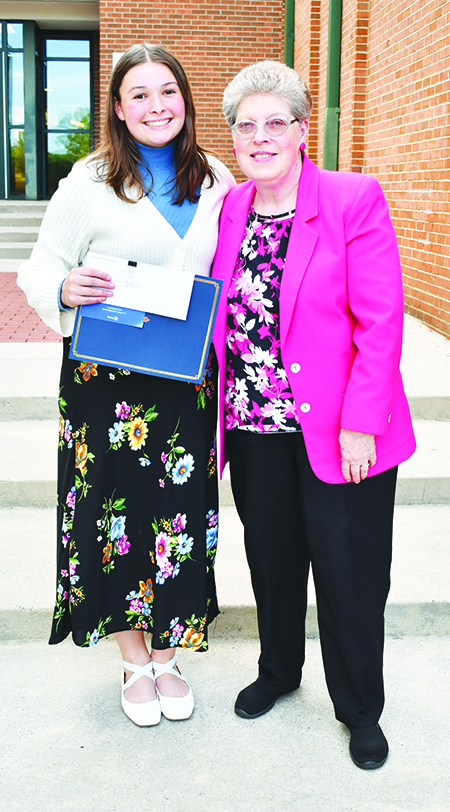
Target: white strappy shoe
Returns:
[174, 707]
[143, 714]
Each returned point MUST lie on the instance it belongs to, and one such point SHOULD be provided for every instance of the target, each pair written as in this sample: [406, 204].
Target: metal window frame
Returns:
[66, 34]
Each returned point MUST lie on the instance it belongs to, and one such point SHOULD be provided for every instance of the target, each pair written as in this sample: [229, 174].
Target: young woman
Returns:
[137, 482]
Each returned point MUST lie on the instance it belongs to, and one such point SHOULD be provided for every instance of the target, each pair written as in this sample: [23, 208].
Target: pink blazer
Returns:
[341, 316]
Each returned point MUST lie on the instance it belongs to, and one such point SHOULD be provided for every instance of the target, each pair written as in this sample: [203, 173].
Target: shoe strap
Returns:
[167, 668]
[138, 672]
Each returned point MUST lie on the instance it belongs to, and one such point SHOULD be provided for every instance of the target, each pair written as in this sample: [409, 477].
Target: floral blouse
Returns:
[257, 392]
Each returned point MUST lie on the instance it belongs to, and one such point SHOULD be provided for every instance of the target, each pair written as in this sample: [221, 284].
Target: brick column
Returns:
[355, 28]
[307, 61]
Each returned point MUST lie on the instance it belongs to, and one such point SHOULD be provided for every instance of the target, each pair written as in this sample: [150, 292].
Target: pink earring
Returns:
[302, 146]
[234, 151]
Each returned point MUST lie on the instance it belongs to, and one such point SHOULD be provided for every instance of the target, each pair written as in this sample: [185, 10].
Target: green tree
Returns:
[18, 162]
[69, 147]
[75, 145]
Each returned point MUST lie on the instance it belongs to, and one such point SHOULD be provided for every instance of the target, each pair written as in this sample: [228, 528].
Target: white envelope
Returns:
[141, 286]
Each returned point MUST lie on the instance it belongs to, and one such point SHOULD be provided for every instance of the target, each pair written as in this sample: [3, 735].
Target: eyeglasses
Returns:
[272, 127]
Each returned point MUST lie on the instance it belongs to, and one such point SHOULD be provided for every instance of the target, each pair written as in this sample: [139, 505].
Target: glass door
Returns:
[68, 128]
[12, 120]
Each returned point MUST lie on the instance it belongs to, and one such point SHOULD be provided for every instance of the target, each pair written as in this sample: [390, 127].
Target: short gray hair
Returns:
[268, 77]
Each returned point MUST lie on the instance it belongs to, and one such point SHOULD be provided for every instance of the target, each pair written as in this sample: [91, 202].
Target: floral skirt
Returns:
[137, 505]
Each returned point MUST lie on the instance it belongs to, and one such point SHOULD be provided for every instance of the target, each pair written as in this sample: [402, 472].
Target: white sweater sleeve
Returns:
[62, 244]
[86, 214]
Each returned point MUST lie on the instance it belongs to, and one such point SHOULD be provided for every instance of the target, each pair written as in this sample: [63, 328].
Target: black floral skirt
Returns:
[137, 506]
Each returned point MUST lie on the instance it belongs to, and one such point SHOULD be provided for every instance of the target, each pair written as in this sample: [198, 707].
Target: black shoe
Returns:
[368, 747]
[253, 701]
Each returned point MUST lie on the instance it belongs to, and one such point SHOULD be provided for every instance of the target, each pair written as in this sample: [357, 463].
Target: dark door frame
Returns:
[35, 132]
[61, 35]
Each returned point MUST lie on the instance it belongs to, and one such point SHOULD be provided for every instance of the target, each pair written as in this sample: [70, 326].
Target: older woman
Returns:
[315, 417]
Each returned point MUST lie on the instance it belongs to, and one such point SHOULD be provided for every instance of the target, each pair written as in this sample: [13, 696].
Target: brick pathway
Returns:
[18, 321]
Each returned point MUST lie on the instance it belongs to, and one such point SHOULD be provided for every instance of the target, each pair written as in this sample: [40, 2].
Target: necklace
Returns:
[272, 217]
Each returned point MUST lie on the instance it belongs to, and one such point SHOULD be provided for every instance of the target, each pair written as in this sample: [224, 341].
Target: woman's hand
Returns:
[358, 454]
[83, 286]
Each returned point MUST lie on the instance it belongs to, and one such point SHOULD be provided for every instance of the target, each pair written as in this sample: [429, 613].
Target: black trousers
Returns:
[292, 519]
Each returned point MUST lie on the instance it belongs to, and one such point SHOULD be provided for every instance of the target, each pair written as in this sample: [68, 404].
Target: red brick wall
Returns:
[355, 28]
[212, 40]
[307, 61]
[323, 53]
[310, 59]
[408, 141]
[395, 124]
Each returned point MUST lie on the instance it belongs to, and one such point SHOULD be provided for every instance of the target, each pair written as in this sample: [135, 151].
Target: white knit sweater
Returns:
[86, 215]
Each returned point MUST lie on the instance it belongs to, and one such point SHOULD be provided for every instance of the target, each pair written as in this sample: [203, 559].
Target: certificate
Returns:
[164, 346]
[141, 286]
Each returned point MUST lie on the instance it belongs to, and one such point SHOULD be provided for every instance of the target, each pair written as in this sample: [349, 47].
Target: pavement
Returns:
[67, 745]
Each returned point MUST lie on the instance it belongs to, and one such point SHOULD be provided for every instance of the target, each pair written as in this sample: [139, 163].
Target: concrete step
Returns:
[16, 250]
[425, 369]
[25, 408]
[29, 369]
[28, 464]
[29, 380]
[425, 477]
[14, 234]
[20, 220]
[26, 206]
[419, 601]
[19, 227]
[10, 265]
[429, 408]
[37, 408]
[425, 363]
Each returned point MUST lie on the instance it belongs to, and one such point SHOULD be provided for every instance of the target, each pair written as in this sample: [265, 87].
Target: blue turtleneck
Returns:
[160, 162]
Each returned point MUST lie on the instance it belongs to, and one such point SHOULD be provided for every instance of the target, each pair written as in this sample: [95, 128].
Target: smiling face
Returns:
[151, 104]
[264, 158]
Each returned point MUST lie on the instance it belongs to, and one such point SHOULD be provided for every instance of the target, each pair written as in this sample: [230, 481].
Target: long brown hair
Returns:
[118, 156]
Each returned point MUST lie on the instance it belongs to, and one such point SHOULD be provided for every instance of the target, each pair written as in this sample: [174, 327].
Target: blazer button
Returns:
[295, 367]
[305, 407]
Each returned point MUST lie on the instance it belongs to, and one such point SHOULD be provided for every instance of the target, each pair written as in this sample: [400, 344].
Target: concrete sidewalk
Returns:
[66, 744]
